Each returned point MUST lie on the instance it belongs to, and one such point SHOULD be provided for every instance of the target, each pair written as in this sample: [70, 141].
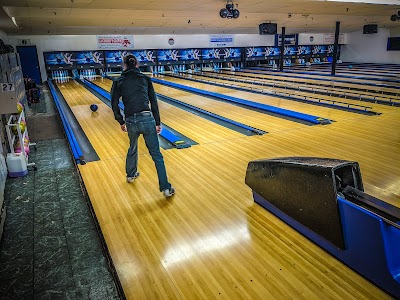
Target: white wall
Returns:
[369, 48]
[4, 37]
[46, 43]
[318, 38]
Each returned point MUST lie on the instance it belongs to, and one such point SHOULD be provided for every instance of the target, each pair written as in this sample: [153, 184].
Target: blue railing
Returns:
[76, 150]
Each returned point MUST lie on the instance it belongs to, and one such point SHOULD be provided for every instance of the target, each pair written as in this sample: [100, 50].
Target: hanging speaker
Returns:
[268, 28]
[370, 29]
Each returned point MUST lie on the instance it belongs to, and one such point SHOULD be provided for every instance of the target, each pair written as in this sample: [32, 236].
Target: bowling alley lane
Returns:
[320, 111]
[249, 117]
[315, 79]
[194, 127]
[293, 86]
[103, 132]
[212, 234]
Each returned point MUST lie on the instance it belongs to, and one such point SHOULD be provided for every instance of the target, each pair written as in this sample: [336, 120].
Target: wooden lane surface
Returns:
[233, 112]
[196, 128]
[324, 98]
[311, 79]
[303, 84]
[315, 110]
[366, 79]
[211, 241]
[103, 132]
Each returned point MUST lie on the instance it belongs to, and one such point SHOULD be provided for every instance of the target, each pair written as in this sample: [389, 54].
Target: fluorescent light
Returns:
[386, 2]
[15, 22]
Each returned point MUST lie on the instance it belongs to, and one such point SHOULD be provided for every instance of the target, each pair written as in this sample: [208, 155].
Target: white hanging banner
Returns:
[329, 38]
[221, 40]
[115, 42]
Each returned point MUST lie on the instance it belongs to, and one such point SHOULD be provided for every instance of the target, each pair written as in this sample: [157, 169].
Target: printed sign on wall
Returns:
[290, 39]
[115, 41]
[220, 40]
[329, 38]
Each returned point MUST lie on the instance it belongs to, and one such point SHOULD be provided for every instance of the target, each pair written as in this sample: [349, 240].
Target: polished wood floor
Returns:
[211, 241]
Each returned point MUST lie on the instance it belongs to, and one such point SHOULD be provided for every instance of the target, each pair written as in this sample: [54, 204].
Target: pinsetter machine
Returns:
[324, 200]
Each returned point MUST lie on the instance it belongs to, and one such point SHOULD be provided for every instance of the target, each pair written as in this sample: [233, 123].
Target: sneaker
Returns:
[169, 192]
[131, 179]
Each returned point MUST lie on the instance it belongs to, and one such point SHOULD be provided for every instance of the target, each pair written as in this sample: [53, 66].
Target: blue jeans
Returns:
[144, 123]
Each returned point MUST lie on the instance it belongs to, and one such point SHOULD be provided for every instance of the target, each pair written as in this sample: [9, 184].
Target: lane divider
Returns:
[76, 149]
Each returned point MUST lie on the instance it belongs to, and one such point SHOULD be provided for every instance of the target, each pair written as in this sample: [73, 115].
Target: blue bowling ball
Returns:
[94, 107]
[350, 67]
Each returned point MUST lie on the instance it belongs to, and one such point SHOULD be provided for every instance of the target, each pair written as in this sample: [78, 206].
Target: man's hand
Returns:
[158, 128]
[123, 128]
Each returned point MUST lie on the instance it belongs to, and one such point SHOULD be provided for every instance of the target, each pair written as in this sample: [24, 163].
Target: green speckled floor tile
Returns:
[17, 288]
[16, 267]
[46, 211]
[57, 293]
[49, 242]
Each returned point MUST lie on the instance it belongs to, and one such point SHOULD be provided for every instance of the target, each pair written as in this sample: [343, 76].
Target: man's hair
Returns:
[130, 61]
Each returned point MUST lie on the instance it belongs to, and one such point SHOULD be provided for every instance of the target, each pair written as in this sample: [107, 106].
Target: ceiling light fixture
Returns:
[229, 11]
[14, 21]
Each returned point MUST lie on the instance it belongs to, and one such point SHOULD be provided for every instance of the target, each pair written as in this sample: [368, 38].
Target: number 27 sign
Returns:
[7, 87]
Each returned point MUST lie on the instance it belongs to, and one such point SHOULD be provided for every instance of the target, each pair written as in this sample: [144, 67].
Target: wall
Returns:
[4, 37]
[318, 38]
[88, 42]
[369, 48]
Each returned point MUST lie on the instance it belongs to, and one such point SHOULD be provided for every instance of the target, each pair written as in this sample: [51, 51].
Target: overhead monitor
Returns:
[92, 59]
[59, 60]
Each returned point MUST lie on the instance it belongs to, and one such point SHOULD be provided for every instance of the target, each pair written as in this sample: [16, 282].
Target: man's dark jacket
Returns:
[137, 94]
